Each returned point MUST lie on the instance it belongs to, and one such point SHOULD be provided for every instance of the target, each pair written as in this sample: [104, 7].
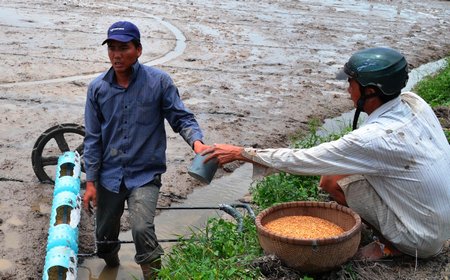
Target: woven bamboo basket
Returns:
[311, 255]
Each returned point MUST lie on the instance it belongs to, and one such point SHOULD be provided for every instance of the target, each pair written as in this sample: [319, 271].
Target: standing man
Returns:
[125, 145]
[394, 171]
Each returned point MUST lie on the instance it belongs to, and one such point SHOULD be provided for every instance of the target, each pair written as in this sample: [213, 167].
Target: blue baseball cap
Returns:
[123, 31]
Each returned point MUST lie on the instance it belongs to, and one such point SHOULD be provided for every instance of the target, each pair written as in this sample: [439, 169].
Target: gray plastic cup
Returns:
[201, 171]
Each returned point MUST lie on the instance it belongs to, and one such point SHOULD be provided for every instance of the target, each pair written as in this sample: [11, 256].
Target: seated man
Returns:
[394, 170]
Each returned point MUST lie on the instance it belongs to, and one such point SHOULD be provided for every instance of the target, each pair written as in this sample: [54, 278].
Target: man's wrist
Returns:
[196, 142]
[249, 154]
[91, 184]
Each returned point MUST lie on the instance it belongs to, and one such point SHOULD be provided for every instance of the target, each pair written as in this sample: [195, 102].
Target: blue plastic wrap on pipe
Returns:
[62, 243]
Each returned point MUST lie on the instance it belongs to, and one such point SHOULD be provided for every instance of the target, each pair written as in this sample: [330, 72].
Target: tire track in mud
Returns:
[177, 50]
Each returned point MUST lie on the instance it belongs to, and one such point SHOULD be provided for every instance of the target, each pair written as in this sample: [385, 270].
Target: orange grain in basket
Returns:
[305, 227]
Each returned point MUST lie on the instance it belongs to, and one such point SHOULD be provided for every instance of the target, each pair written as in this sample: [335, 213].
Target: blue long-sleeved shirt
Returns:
[125, 135]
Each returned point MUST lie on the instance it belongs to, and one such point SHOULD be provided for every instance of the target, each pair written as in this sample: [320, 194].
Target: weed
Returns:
[284, 187]
[435, 89]
[217, 252]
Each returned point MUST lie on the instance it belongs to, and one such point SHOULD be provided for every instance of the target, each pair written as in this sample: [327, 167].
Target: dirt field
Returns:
[253, 72]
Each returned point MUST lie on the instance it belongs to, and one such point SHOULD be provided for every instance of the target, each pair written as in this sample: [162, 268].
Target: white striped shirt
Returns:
[402, 152]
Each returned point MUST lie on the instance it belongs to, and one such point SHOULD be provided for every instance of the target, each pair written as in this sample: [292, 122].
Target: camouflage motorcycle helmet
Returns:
[383, 68]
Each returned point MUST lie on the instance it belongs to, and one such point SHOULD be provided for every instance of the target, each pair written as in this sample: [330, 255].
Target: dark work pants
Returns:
[141, 204]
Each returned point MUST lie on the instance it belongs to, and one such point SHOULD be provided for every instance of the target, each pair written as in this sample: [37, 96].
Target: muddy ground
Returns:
[253, 72]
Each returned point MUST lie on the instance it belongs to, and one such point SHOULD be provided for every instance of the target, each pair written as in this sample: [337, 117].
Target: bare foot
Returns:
[376, 251]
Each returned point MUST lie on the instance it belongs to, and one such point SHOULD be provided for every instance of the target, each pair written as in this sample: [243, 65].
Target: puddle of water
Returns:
[340, 123]
[10, 16]
[225, 190]
[95, 269]
[173, 223]
[256, 39]
[15, 17]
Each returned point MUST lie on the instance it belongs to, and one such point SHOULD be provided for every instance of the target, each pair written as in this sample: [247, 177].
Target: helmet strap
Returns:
[360, 104]
[356, 116]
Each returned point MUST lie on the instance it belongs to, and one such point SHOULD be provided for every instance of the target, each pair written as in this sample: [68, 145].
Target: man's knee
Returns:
[329, 183]
[143, 228]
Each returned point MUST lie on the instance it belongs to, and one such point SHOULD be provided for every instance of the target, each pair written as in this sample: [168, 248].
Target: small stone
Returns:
[6, 267]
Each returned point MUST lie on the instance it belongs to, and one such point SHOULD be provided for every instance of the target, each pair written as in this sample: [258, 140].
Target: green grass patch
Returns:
[435, 89]
[447, 134]
[284, 187]
[217, 252]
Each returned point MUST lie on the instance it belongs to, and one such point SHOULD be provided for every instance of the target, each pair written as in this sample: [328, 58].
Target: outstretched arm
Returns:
[225, 153]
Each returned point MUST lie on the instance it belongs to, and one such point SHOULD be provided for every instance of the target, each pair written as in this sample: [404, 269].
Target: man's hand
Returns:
[199, 146]
[90, 195]
[225, 153]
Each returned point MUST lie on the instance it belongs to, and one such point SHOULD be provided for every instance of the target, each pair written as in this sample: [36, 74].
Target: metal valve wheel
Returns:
[51, 144]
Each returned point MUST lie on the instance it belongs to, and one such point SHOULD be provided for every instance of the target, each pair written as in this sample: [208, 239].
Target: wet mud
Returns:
[253, 72]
